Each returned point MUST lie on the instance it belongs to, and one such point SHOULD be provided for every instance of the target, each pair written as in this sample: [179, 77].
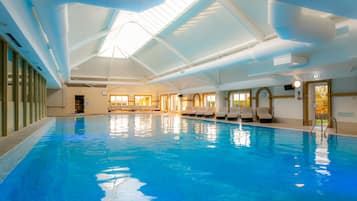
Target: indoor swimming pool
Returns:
[141, 157]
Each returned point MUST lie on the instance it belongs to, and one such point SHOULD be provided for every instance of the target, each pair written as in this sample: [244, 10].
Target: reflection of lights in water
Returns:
[240, 137]
[211, 132]
[165, 124]
[299, 185]
[143, 126]
[169, 124]
[321, 154]
[119, 126]
[197, 128]
[119, 185]
[176, 125]
[184, 126]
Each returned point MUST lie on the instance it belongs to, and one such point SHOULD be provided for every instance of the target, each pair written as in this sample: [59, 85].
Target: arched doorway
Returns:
[263, 98]
[196, 100]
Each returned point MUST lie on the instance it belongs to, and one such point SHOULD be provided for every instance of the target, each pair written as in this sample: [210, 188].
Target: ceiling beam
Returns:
[83, 60]
[173, 49]
[164, 43]
[132, 57]
[76, 77]
[232, 8]
[108, 25]
[105, 82]
[142, 64]
[92, 38]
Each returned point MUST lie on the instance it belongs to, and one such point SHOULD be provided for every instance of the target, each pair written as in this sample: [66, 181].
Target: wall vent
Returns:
[14, 39]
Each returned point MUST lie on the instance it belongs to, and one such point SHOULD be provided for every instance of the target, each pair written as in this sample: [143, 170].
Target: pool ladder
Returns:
[324, 131]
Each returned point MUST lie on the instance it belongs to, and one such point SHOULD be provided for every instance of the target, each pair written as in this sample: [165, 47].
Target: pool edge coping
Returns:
[12, 157]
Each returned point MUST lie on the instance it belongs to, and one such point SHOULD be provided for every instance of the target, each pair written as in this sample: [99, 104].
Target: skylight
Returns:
[132, 30]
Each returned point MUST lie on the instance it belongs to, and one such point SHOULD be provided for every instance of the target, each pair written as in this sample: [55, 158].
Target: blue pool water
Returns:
[140, 157]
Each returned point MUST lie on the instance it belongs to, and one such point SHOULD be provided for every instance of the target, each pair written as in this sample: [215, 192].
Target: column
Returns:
[31, 93]
[221, 103]
[4, 83]
[15, 81]
[24, 90]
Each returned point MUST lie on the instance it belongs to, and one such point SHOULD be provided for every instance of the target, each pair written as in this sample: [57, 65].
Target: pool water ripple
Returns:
[141, 157]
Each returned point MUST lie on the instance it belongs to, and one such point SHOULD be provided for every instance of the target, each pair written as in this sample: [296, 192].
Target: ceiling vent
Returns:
[289, 60]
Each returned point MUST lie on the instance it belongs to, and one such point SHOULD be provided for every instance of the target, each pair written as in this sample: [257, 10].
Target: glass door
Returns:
[317, 104]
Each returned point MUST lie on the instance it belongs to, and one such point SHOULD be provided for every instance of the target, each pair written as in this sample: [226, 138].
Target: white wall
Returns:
[288, 108]
[344, 108]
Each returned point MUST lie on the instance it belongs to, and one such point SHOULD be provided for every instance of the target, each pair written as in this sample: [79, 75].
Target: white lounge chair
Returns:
[187, 110]
[209, 113]
[233, 114]
[221, 114]
[200, 112]
[264, 116]
[246, 114]
[191, 111]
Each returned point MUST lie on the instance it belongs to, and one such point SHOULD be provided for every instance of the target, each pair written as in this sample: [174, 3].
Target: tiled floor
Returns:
[10, 141]
[277, 125]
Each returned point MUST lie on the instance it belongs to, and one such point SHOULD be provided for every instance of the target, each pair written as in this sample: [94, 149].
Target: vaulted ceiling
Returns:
[209, 45]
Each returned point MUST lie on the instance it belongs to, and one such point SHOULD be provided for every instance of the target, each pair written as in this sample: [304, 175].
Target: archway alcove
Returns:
[263, 98]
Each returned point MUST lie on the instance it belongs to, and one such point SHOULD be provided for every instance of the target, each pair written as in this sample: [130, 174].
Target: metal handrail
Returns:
[314, 125]
[334, 121]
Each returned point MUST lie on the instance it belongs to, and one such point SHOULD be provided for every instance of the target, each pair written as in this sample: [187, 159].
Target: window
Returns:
[240, 99]
[119, 100]
[143, 100]
[132, 30]
[210, 100]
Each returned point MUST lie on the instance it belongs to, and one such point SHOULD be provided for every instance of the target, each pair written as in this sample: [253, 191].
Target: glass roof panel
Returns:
[132, 30]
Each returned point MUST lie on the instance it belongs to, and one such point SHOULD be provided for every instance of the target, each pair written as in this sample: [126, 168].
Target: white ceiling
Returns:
[192, 40]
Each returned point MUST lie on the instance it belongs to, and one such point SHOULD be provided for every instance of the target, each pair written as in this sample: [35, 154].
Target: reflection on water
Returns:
[240, 137]
[171, 124]
[321, 154]
[119, 126]
[143, 126]
[79, 126]
[206, 131]
[210, 131]
[118, 185]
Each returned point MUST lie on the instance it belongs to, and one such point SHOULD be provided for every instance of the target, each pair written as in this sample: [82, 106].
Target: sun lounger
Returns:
[264, 116]
[246, 114]
[233, 114]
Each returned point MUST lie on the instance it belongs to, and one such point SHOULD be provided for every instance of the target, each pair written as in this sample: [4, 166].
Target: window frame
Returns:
[241, 91]
[119, 95]
[135, 102]
[205, 101]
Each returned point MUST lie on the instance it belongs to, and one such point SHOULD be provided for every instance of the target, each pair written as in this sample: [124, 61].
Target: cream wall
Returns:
[94, 100]
[62, 102]
[132, 91]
